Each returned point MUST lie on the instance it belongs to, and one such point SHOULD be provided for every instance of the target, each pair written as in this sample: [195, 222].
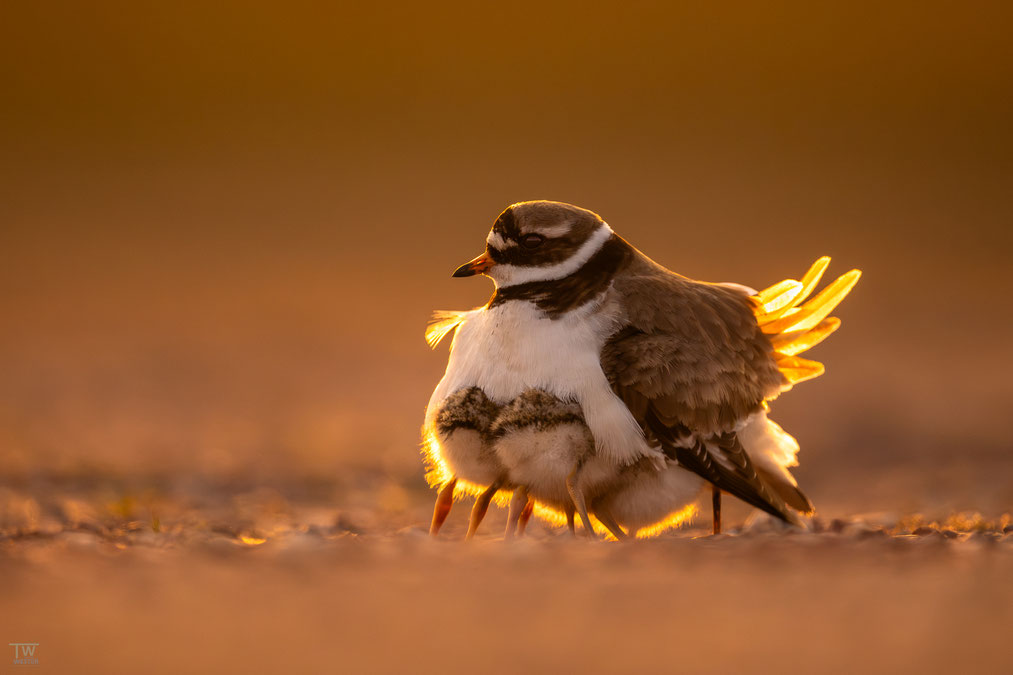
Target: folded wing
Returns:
[695, 360]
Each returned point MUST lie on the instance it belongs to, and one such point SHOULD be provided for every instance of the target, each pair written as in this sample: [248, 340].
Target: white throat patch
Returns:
[511, 275]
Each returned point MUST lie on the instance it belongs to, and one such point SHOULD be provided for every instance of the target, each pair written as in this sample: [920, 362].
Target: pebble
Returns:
[81, 539]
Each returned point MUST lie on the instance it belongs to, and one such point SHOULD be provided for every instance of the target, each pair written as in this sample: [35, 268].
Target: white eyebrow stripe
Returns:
[552, 230]
[506, 275]
[497, 242]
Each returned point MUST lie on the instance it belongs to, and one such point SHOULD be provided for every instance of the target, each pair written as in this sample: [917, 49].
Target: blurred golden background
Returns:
[224, 225]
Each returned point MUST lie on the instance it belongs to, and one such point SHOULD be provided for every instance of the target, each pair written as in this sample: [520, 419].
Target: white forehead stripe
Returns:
[511, 275]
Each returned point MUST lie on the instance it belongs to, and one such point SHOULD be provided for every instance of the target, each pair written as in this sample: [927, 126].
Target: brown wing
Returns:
[690, 363]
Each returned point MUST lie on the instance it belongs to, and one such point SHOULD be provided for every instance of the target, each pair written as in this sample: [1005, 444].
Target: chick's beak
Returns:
[477, 266]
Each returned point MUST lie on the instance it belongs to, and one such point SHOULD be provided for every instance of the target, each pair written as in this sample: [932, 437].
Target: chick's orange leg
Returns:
[570, 512]
[577, 495]
[444, 501]
[480, 508]
[517, 504]
[526, 512]
[605, 517]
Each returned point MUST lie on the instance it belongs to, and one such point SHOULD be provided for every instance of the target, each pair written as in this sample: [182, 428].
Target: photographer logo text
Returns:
[24, 653]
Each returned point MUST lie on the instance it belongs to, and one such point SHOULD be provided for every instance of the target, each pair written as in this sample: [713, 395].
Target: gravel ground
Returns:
[219, 580]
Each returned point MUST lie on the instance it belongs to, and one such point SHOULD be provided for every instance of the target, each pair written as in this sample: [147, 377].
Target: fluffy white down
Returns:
[542, 459]
[513, 347]
[467, 457]
[768, 445]
[650, 496]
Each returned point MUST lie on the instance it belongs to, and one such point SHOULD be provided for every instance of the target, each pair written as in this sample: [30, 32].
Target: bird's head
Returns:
[538, 241]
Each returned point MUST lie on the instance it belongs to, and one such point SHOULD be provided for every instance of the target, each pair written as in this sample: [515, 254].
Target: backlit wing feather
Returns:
[796, 325]
[442, 323]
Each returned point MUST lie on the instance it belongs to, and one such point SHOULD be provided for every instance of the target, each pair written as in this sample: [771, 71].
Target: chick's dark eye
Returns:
[532, 240]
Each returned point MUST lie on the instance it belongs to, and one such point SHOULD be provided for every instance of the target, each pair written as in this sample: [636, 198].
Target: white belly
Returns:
[514, 347]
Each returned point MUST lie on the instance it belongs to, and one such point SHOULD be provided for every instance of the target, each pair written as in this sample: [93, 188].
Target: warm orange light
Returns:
[796, 369]
[794, 327]
[799, 341]
[438, 473]
[443, 322]
[811, 313]
[677, 519]
[778, 296]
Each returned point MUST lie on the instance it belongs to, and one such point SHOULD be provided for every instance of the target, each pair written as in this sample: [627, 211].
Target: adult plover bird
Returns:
[667, 373]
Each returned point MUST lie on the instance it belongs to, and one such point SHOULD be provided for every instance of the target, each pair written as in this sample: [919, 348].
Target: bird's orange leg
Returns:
[716, 507]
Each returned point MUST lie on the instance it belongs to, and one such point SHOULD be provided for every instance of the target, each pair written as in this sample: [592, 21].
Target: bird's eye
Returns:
[532, 240]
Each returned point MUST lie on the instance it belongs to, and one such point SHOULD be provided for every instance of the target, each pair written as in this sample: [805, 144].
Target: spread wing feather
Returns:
[809, 315]
[798, 341]
[796, 325]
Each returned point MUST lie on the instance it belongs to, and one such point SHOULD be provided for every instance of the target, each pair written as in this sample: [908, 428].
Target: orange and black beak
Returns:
[477, 266]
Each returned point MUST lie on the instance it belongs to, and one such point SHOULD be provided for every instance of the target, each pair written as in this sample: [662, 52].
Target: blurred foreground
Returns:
[233, 578]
